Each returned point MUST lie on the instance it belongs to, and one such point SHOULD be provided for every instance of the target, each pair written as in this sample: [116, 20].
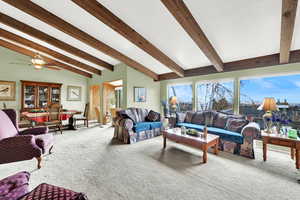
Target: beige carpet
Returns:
[88, 161]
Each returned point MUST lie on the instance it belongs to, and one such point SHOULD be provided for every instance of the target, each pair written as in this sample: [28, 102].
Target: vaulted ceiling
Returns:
[161, 38]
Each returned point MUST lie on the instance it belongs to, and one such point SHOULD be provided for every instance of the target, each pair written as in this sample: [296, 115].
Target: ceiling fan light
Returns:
[38, 66]
[38, 60]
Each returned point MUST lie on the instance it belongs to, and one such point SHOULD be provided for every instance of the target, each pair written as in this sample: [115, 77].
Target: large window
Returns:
[285, 89]
[215, 96]
[184, 97]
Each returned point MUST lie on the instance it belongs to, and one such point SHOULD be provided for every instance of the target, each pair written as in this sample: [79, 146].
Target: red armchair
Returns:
[16, 145]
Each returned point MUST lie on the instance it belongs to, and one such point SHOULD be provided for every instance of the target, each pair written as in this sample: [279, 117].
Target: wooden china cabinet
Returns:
[38, 95]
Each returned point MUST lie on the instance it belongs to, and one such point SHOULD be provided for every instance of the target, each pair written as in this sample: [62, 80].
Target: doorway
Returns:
[112, 99]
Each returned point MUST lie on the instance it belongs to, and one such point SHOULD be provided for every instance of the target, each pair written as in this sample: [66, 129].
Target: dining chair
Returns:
[54, 117]
[85, 117]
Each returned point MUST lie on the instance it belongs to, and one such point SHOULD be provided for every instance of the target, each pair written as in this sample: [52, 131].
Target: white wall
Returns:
[13, 72]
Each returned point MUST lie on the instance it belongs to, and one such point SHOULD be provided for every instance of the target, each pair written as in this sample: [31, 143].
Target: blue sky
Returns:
[279, 87]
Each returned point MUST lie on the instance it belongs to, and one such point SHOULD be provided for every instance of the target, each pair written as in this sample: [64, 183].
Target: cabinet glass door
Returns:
[55, 95]
[43, 96]
[29, 96]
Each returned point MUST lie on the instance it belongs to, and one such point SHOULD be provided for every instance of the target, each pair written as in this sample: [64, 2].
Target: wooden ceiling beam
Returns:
[9, 21]
[58, 23]
[185, 18]
[13, 37]
[288, 18]
[107, 17]
[30, 53]
[251, 63]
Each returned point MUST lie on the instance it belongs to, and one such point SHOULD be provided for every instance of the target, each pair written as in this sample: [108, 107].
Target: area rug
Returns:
[89, 161]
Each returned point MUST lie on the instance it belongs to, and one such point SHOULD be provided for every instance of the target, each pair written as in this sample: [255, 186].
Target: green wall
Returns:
[137, 79]
[236, 76]
[14, 72]
[131, 78]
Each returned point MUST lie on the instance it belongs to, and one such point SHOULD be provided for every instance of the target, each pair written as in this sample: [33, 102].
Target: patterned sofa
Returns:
[136, 124]
[236, 133]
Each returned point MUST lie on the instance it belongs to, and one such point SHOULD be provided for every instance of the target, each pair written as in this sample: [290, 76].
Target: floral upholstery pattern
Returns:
[131, 126]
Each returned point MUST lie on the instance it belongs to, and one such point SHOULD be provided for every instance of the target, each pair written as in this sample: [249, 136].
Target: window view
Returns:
[215, 96]
[180, 97]
[284, 89]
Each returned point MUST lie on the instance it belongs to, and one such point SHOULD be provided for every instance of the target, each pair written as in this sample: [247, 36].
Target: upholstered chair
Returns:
[16, 145]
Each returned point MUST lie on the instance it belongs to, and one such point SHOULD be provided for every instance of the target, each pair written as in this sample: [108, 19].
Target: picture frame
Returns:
[73, 93]
[7, 90]
[140, 94]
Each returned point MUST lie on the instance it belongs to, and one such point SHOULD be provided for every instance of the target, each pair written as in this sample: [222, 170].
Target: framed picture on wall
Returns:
[140, 94]
[73, 93]
[7, 91]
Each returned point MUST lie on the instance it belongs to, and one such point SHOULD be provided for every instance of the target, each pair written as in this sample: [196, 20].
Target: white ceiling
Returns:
[238, 29]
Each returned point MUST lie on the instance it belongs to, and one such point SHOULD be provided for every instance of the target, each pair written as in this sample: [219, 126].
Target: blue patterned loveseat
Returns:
[236, 134]
[137, 124]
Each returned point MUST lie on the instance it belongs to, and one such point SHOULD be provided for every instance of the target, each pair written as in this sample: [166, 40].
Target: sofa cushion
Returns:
[192, 126]
[142, 126]
[209, 117]
[220, 120]
[180, 117]
[227, 135]
[224, 134]
[7, 128]
[236, 125]
[142, 114]
[188, 117]
[198, 118]
[153, 116]
[155, 125]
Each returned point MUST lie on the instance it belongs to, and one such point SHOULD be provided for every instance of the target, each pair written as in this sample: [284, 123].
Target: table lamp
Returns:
[268, 105]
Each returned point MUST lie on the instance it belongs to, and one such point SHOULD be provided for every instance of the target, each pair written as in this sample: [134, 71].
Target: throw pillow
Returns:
[188, 117]
[153, 116]
[180, 116]
[198, 118]
[220, 120]
[236, 125]
[209, 117]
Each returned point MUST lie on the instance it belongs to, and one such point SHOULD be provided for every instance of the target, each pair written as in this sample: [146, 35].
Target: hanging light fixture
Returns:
[38, 61]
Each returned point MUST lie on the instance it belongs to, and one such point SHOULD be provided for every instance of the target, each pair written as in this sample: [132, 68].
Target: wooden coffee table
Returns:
[281, 140]
[197, 142]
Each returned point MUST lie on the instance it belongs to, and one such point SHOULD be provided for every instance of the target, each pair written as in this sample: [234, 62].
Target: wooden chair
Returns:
[85, 117]
[54, 117]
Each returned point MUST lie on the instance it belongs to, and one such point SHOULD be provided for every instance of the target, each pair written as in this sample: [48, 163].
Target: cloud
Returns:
[297, 83]
[263, 83]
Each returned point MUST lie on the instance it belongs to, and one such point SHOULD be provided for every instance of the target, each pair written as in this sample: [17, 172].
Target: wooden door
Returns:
[94, 101]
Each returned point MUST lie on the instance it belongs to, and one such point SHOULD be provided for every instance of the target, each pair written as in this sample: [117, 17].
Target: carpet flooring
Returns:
[88, 161]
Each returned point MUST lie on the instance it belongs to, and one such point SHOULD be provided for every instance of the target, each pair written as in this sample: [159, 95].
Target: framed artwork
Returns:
[7, 91]
[73, 93]
[140, 94]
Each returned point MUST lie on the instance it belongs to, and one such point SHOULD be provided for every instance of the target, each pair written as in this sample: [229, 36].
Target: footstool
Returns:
[46, 191]
[15, 187]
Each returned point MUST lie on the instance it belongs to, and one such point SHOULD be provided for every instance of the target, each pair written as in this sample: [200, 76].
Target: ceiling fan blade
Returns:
[16, 63]
[52, 67]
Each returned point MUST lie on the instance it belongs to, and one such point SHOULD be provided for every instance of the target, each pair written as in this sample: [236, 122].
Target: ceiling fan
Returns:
[38, 63]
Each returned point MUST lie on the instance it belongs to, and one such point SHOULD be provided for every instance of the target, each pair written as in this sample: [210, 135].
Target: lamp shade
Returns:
[269, 104]
[173, 100]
